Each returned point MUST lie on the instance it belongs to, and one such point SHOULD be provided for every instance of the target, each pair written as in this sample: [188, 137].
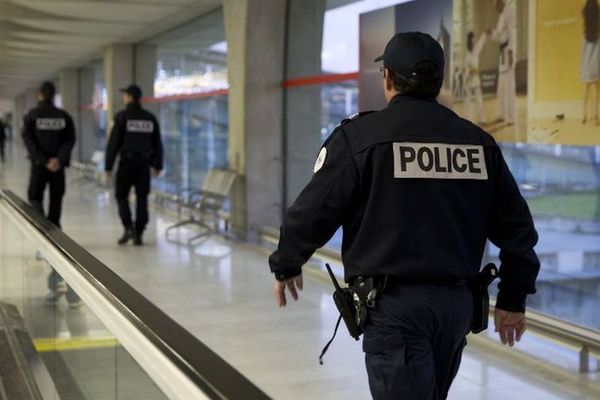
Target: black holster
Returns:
[481, 297]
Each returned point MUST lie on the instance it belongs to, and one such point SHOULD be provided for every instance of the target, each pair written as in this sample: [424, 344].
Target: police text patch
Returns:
[439, 161]
[50, 124]
[137, 125]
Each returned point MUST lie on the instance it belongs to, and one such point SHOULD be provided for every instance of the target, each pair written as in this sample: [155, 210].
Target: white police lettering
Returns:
[320, 160]
[439, 161]
[138, 125]
[50, 124]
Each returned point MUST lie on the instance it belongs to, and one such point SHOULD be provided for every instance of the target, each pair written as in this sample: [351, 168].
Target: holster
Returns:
[481, 297]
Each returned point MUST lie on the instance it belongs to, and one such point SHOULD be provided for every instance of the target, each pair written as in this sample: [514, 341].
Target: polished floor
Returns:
[221, 292]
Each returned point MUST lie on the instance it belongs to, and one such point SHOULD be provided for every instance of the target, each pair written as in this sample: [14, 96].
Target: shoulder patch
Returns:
[355, 116]
[320, 160]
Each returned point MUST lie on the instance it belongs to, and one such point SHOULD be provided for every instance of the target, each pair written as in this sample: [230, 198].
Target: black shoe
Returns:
[137, 239]
[127, 235]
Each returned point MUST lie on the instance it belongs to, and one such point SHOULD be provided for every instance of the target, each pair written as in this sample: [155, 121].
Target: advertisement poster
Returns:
[490, 65]
[565, 74]
[378, 27]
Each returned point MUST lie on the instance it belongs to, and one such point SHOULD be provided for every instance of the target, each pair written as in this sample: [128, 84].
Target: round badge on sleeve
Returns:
[320, 160]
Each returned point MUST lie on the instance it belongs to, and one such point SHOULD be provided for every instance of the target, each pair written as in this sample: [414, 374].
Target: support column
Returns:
[255, 109]
[303, 104]
[69, 92]
[86, 142]
[145, 71]
[118, 73]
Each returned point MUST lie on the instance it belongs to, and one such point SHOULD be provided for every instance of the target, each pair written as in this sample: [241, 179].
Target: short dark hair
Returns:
[421, 85]
[47, 90]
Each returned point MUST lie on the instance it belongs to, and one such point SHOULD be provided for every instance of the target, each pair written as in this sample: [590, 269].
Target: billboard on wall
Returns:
[377, 27]
[524, 70]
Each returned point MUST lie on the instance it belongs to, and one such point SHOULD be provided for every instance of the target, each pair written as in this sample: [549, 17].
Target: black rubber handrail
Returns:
[212, 375]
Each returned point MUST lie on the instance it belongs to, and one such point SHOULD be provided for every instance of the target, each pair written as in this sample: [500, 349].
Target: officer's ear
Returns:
[388, 81]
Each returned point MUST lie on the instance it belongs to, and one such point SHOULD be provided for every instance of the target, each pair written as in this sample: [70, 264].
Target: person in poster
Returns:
[505, 33]
[472, 77]
[590, 58]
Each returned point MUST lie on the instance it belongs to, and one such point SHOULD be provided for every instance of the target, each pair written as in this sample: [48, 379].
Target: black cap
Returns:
[47, 90]
[405, 50]
[133, 90]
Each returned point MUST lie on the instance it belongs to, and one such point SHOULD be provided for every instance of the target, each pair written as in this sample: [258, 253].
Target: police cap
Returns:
[133, 90]
[407, 49]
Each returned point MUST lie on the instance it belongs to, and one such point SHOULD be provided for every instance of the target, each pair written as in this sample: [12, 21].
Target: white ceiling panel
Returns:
[38, 38]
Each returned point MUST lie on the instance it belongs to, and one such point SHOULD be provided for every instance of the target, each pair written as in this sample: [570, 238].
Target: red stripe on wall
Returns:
[320, 79]
[190, 96]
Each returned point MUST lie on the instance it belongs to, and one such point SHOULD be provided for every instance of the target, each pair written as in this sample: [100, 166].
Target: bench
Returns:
[205, 204]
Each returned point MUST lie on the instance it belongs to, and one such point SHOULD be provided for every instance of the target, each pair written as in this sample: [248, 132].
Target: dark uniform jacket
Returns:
[2, 133]
[48, 132]
[135, 131]
[418, 191]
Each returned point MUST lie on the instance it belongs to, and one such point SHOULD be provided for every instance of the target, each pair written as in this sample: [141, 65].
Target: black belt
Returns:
[129, 154]
[389, 280]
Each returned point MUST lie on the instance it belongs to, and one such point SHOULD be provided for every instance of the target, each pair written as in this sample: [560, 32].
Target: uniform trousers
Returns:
[414, 340]
[133, 172]
[40, 178]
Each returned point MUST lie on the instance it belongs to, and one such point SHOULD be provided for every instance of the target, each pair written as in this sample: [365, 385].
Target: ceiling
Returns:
[38, 38]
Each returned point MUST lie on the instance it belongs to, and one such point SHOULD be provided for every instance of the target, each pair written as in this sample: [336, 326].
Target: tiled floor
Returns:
[221, 292]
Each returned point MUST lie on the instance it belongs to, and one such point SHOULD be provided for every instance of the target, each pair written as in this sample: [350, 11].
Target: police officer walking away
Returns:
[49, 136]
[2, 140]
[417, 190]
[135, 136]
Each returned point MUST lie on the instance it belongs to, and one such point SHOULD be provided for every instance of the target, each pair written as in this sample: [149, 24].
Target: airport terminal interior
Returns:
[245, 93]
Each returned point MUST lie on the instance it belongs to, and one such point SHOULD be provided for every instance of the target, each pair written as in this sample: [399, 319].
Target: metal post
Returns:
[584, 360]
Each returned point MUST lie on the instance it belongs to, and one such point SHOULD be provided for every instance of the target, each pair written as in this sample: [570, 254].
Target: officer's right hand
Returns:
[53, 165]
[510, 325]
[107, 177]
[293, 284]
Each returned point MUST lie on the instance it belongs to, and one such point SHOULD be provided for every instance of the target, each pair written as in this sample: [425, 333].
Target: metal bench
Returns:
[205, 204]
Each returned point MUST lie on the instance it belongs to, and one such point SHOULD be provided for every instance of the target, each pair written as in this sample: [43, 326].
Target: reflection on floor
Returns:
[221, 292]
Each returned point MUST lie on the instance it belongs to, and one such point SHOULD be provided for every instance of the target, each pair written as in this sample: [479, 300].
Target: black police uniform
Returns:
[2, 140]
[48, 132]
[417, 190]
[136, 137]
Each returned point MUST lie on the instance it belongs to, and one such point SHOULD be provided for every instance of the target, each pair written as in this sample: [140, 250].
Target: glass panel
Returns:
[80, 359]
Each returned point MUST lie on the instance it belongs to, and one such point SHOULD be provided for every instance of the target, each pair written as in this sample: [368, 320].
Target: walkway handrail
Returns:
[180, 364]
[585, 340]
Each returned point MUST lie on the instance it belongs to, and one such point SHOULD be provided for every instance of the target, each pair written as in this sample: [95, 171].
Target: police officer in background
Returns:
[417, 190]
[135, 136]
[2, 140]
[49, 136]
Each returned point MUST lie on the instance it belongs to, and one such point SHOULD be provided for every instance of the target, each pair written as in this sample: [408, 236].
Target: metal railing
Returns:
[584, 340]
[179, 364]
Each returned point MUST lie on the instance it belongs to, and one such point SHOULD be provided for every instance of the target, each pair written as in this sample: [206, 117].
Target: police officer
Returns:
[49, 136]
[417, 190]
[2, 141]
[135, 136]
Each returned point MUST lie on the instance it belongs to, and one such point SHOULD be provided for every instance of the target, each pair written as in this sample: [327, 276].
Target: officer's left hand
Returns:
[293, 284]
[509, 325]
[155, 172]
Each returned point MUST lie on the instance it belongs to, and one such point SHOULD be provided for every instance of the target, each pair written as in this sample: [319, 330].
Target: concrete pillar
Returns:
[256, 109]
[145, 71]
[118, 73]
[86, 142]
[303, 122]
[69, 92]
